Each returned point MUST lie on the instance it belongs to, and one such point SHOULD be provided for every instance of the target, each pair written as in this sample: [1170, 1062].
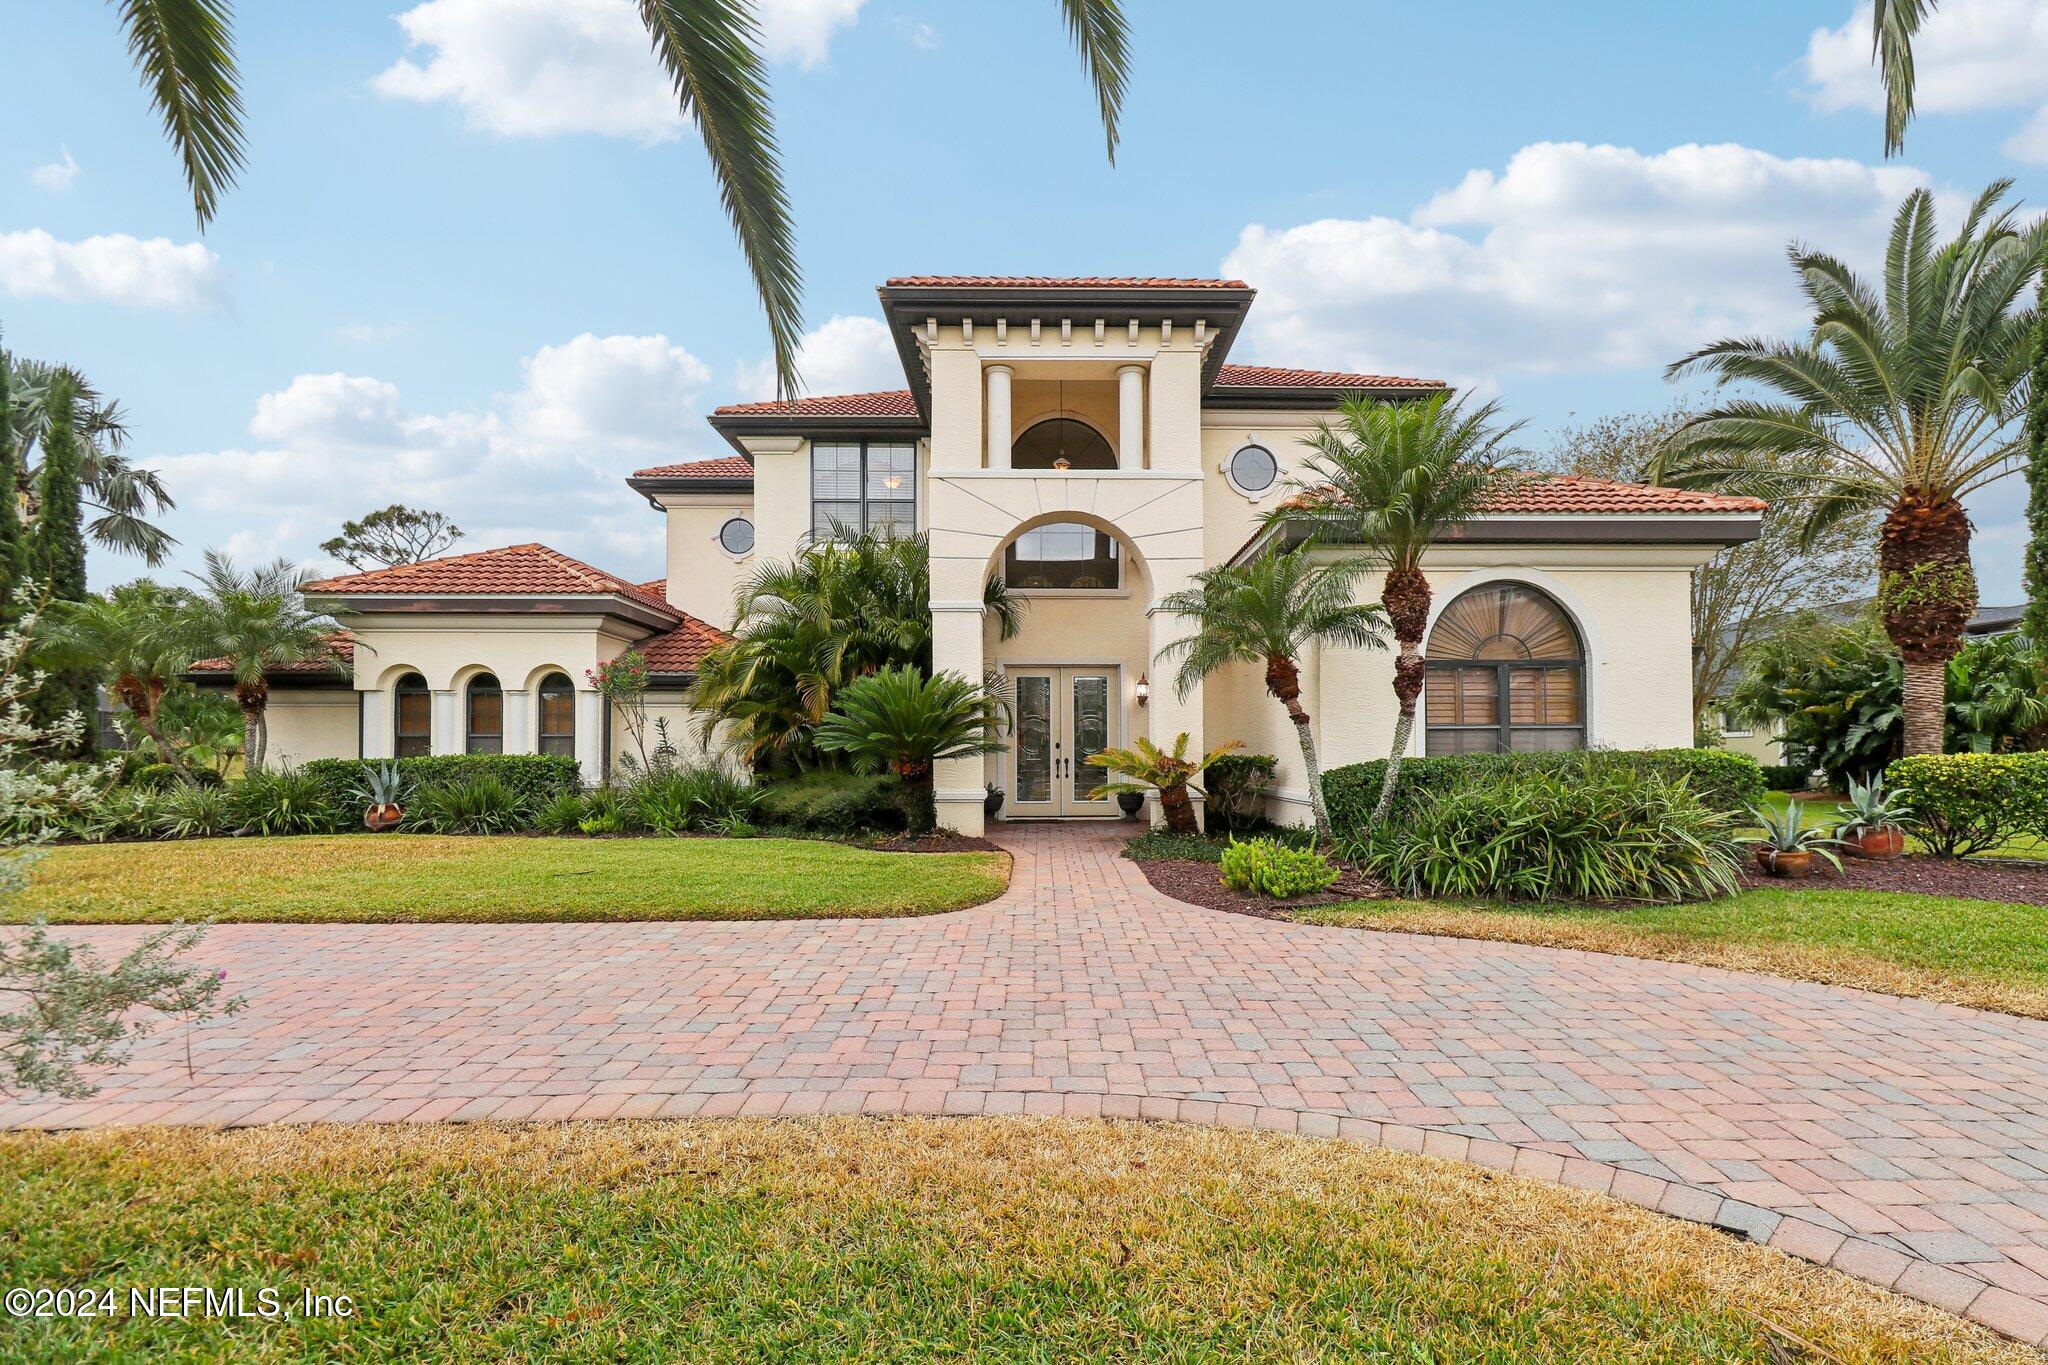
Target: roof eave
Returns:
[1285, 398]
[1559, 528]
[734, 425]
[490, 603]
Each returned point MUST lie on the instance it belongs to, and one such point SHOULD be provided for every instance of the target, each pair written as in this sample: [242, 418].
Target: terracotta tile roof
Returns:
[724, 467]
[679, 650]
[516, 570]
[889, 403]
[1057, 282]
[1565, 494]
[1282, 377]
[344, 645]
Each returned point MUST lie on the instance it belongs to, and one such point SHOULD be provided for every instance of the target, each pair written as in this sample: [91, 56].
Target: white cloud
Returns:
[1571, 258]
[57, 175]
[112, 268]
[542, 462]
[849, 354]
[532, 68]
[1970, 55]
[918, 34]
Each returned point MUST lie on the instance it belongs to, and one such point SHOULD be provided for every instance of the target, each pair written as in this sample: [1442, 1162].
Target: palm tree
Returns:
[710, 51]
[41, 396]
[1147, 767]
[903, 720]
[1395, 477]
[1892, 26]
[1904, 399]
[259, 620]
[139, 640]
[1265, 613]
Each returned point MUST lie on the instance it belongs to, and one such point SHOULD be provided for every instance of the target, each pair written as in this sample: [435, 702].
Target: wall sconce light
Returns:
[1144, 690]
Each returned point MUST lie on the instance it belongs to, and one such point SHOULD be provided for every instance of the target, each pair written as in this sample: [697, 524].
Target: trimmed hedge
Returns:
[836, 803]
[1723, 781]
[1787, 777]
[533, 778]
[1973, 803]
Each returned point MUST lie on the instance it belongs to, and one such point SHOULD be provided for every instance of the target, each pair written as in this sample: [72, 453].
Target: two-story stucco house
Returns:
[1088, 441]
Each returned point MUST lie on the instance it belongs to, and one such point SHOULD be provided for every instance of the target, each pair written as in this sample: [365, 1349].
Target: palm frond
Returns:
[1893, 23]
[185, 52]
[1098, 30]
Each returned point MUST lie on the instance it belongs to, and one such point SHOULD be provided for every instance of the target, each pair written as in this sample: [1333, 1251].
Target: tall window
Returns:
[1506, 674]
[486, 729]
[1062, 554]
[558, 715]
[1062, 438]
[412, 717]
[863, 486]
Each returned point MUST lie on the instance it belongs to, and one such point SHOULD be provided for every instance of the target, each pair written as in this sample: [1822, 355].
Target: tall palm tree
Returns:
[139, 641]
[41, 395]
[1905, 398]
[1266, 612]
[1395, 477]
[259, 620]
[710, 51]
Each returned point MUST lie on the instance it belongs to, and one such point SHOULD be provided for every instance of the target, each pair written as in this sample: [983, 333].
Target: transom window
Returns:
[485, 732]
[412, 717]
[863, 486]
[1506, 674]
[557, 715]
[1062, 438]
[1063, 554]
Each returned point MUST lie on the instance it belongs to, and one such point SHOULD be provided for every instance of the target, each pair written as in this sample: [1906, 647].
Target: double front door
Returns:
[1063, 714]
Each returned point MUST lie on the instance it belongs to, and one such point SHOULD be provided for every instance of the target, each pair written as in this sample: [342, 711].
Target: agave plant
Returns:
[1786, 841]
[1150, 768]
[381, 783]
[1871, 808]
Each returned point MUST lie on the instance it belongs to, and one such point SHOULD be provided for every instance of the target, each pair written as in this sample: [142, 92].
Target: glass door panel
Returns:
[1061, 716]
[1034, 740]
[1090, 727]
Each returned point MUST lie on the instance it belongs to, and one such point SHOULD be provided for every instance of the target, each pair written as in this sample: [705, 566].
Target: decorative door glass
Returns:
[1034, 738]
[1090, 730]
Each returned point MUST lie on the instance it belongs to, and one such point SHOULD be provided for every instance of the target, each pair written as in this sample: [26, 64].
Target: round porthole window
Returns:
[1253, 469]
[736, 537]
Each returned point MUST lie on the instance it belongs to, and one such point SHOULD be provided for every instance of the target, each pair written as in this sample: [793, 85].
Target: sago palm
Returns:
[139, 641]
[710, 51]
[1266, 613]
[1147, 767]
[1396, 477]
[259, 620]
[1906, 397]
[902, 720]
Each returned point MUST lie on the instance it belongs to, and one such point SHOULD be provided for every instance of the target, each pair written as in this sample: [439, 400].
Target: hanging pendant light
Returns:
[1060, 460]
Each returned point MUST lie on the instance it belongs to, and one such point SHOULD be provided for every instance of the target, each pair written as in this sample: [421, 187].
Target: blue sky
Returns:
[476, 264]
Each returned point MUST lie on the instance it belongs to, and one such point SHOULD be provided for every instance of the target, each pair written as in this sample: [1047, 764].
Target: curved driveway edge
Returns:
[1901, 1141]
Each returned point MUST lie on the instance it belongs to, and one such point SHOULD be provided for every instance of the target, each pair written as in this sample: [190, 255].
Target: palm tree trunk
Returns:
[1283, 680]
[1926, 594]
[1406, 597]
[1178, 810]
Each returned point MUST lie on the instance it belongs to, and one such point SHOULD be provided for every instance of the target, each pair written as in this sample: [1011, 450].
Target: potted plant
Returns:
[992, 802]
[381, 786]
[1787, 848]
[1130, 803]
[1876, 824]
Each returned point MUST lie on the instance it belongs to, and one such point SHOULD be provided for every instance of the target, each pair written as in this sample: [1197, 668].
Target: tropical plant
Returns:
[1782, 832]
[1998, 695]
[604, 812]
[285, 801]
[391, 536]
[204, 728]
[1395, 477]
[140, 641]
[1872, 809]
[1268, 867]
[836, 804]
[622, 681]
[259, 620]
[474, 803]
[902, 721]
[1237, 787]
[1724, 782]
[1173, 775]
[43, 401]
[381, 784]
[195, 811]
[1266, 612]
[834, 611]
[1905, 398]
[13, 535]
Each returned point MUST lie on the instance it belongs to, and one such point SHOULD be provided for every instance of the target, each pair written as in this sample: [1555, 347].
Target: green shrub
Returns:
[1604, 830]
[676, 800]
[1270, 868]
[154, 777]
[1236, 787]
[1973, 803]
[285, 801]
[123, 813]
[196, 812]
[1726, 782]
[477, 802]
[561, 813]
[604, 812]
[1161, 844]
[533, 778]
[836, 803]
[1787, 777]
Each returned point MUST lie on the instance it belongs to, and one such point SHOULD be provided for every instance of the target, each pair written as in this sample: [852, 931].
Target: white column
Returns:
[957, 783]
[518, 723]
[998, 415]
[447, 734]
[1130, 416]
[376, 724]
[590, 735]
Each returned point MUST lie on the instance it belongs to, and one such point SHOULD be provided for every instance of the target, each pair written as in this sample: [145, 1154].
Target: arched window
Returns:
[485, 732]
[412, 718]
[558, 715]
[1063, 554]
[1061, 438]
[1506, 674]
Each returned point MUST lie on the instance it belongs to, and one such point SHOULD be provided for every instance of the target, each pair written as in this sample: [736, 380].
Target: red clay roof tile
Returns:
[680, 650]
[889, 403]
[1283, 377]
[1565, 494]
[725, 467]
[515, 570]
[344, 645]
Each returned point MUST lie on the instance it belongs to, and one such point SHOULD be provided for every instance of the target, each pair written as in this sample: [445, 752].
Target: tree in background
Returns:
[2035, 569]
[1908, 395]
[1747, 591]
[391, 536]
[119, 495]
[13, 539]
[139, 638]
[56, 557]
[258, 621]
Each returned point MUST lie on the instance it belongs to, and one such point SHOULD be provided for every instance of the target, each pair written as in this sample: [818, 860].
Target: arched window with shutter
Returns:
[412, 718]
[485, 710]
[1507, 673]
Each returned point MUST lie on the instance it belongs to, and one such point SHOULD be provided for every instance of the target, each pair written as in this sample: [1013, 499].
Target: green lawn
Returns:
[365, 878]
[989, 1239]
[1983, 953]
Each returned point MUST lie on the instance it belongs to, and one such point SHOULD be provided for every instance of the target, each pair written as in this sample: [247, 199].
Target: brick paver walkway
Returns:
[1902, 1141]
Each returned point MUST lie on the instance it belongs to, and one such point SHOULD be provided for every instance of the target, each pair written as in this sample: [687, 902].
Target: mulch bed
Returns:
[1978, 879]
[943, 842]
[1200, 883]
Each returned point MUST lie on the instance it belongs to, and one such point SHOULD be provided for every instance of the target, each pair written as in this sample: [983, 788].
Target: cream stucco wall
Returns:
[310, 723]
[703, 578]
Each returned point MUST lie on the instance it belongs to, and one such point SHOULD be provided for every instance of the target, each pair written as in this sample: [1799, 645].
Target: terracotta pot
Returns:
[1882, 844]
[380, 818]
[1796, 866]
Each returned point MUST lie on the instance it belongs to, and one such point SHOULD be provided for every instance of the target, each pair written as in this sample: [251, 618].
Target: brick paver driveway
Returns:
[1902, 1141]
